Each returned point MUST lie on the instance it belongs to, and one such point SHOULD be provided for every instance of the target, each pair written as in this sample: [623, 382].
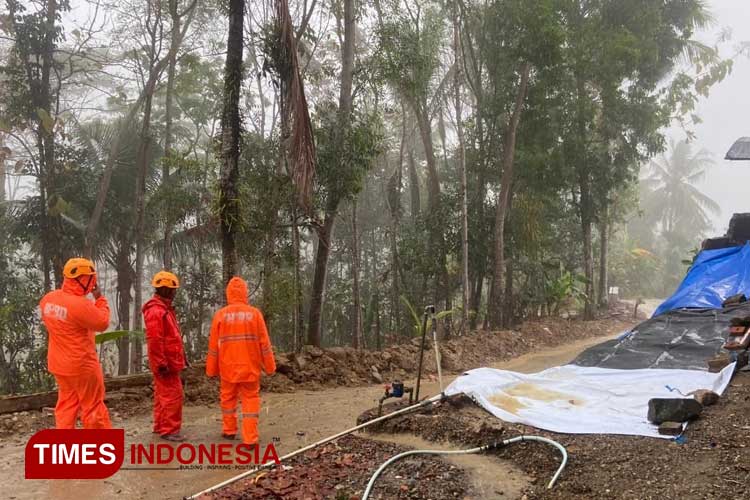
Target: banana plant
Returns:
[117, 334]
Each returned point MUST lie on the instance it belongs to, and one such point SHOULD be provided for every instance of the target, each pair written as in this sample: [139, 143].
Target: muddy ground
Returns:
[296, 419]
[713, 461]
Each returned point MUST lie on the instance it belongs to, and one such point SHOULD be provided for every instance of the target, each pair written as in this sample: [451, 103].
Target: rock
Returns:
[376, 376]
[313, 351]
[673, 410]
[301, 360]
[716, 364]
[670, 428]
[284, 367]
[705, 397]
[386, 356]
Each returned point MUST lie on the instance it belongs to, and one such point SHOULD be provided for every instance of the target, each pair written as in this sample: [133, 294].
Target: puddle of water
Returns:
[491, 477]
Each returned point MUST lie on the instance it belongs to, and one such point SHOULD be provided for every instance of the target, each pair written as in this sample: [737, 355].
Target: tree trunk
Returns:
[604, 260]
[441, 291]
[3, 209]
[317, 299]
[230, 141]
[142, 160]
[168, 116]
[298, 313]
[461, 158]
[357, 342]
[586, 200]
[414, 201]
[378, 331]
[503, 199]
[325, 232]
[588, 268]
[124, 284]
[394, 204]
[508, 310]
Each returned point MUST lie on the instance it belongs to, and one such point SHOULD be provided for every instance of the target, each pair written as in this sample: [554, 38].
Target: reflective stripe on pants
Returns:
[248, 393]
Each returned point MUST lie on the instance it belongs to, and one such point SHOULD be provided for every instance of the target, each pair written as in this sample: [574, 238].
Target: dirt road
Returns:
[291, 420]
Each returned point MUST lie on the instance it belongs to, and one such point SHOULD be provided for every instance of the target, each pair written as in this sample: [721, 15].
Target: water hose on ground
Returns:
[426, 402]
[478, 449]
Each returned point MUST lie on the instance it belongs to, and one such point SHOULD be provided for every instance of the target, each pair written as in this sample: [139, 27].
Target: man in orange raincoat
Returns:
[238, 349]
[166, 356]
[72, 320]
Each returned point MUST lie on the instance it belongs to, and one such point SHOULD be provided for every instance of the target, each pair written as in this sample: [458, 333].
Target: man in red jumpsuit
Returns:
[166, 356]
[72, 321]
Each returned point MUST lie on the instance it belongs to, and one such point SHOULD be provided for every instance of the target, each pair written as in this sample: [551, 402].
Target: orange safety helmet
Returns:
[78, 266]
[165, 279]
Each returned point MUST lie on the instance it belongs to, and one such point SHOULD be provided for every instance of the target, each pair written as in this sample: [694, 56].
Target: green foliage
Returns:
[408, 54]
[345, 155]
[22, 345]
[114, 335]
[567, 286]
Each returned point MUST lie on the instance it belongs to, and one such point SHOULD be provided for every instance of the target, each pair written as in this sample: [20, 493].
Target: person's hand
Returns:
[96, 292]
[163, 371]
[731, 346]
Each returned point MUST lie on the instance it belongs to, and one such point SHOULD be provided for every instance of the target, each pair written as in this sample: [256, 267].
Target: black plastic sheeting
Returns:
[684, 338]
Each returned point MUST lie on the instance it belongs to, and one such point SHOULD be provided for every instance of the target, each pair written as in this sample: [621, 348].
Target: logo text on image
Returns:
[74, 453]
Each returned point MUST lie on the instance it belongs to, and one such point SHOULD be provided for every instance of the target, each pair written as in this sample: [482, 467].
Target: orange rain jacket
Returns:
[239, 347]
[72, 321]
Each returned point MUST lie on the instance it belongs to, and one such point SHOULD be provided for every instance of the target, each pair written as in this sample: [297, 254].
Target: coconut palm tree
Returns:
[671, 195]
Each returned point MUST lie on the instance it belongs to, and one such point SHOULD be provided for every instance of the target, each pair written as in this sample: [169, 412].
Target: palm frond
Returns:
[302, 143]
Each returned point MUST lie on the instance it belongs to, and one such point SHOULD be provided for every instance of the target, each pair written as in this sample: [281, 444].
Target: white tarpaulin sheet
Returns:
[583, 400]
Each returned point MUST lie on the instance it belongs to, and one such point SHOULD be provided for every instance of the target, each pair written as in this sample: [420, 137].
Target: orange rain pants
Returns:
[81, 395]
[71, 320]
[249, 394]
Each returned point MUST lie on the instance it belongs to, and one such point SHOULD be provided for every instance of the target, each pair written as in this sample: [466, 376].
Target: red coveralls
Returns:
[238, 349]
[165, 351]
[72, 320]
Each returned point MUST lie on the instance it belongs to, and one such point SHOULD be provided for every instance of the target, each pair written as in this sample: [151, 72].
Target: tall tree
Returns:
[461, 154]
[503, 199]
[325, 232]
[672, 193]
[230, 141]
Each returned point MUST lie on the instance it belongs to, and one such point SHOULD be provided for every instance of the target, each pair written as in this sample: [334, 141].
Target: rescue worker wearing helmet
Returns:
[166, 356]
[238, 349]
[72, 321]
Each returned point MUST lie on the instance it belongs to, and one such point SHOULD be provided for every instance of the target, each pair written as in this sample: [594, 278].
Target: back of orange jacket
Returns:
[72, 321]
[239, 346]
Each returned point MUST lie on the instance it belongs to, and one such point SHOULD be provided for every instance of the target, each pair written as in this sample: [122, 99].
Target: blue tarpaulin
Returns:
[714, 276]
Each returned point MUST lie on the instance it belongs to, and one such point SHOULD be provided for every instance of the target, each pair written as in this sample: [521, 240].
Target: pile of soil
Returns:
[342, 469]
[315, 368]
[711, 460]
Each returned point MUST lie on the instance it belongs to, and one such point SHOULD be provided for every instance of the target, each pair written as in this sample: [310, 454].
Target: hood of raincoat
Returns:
[72, 286]
[237, 291]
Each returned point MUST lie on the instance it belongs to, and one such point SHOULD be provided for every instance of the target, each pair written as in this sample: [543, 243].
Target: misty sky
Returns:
[726, 117]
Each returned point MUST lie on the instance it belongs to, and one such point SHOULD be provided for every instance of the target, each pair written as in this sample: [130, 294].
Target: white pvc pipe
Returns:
[231, 480]
[478, 449]
[437, 359]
